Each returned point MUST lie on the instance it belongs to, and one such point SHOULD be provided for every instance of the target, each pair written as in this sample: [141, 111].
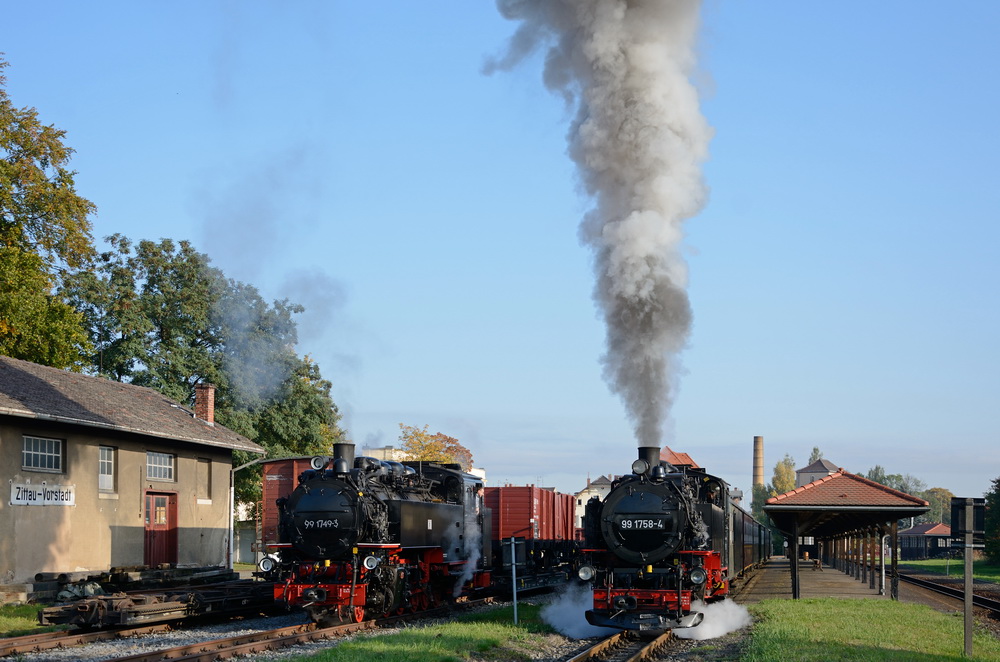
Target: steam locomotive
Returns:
[361, 537]
[664, 539]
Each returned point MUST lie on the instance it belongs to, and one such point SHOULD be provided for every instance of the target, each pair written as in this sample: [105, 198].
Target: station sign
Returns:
[42, 495]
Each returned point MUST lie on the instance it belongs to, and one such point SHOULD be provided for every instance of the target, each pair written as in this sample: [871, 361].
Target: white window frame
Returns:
[106, 469]
[160, 466]
[42, 454]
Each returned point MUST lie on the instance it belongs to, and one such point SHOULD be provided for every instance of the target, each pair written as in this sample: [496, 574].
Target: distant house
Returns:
[677, 459]
[819, 469]
[600, 487]
[924, 541]
[384, 453]
[105, 474]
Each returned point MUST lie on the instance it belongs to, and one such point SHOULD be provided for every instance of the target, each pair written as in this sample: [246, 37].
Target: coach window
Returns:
[159, 466]
[41, 454]
[106, 470]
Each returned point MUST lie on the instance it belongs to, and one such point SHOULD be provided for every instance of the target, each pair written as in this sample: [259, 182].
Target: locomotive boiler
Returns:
[656, 546]
[362, 537]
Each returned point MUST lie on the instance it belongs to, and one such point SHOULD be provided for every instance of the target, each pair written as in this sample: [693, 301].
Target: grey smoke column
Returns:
[638, 140]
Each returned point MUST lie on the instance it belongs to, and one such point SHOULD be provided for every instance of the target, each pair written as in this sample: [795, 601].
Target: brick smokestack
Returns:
[758, 460]
[204, 402]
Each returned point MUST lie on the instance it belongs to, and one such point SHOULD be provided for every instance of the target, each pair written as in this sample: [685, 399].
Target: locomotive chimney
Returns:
[204, 402]
[344, 451]
[758, 460]
[651, 454]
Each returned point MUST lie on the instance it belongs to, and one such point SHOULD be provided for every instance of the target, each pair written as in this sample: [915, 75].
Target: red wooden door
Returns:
[161, 528]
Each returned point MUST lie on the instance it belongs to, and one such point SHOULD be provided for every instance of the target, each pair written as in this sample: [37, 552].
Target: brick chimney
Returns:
[204, 402]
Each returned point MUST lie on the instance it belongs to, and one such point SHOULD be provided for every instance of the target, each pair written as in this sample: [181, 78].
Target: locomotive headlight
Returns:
[370, 562]
[698, 576]
[586, 572]
[266, 564]
[640, 466]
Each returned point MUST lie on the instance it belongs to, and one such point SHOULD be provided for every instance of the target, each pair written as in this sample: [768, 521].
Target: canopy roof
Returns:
[840, 503]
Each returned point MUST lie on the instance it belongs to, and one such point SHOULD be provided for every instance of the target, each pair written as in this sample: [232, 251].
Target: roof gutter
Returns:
[250, 447]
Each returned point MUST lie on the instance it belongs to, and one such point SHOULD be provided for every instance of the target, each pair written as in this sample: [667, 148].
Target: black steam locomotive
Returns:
[365, 537]
[662, 540]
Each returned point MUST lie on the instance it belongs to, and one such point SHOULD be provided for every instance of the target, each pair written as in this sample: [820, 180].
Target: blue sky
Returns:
[352, 157]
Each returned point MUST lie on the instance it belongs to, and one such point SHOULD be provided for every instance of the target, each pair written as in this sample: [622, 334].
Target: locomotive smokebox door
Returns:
[642, 524]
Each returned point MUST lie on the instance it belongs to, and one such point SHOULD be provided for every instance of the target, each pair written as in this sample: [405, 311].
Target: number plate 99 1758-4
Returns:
[640, 524]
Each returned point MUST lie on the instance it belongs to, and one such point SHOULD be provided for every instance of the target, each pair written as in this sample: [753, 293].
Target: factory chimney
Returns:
[758, 460]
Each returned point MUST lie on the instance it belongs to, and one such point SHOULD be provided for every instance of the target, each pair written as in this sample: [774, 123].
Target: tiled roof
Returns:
[818, 466]
[677, 459]
[929, 529]
[845, 489]
[29, 390]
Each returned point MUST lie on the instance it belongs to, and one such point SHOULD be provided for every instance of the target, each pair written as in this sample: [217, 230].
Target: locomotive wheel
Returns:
[325, 618]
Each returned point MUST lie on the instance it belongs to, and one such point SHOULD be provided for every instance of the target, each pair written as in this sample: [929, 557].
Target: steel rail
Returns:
[33, 643]
[625, 647]
[959, 594]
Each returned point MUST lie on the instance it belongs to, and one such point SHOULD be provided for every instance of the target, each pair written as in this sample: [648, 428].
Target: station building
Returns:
[925, 541]
[102, 474]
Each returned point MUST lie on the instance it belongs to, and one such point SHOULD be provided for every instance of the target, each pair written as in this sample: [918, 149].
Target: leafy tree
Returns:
[877, 474]
[783, 478]
[940, 501]
[300, 419]
[36, 325]
[816, 455]
[993, 523]
[421, 445]
[161, 316]
[44, 228]
[905, 483]
[760, 496]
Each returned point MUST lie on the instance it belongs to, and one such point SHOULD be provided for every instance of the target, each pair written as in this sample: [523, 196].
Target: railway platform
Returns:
[774, 581]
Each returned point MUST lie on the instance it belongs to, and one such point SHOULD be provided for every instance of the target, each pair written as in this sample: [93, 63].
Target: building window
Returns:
[159, 466]
[106, 469]
[204, 486]
[40, 454]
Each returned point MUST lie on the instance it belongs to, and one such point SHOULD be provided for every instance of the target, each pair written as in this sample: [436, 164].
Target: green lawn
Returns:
[485, 637]
[824, 630]
[875, 630]
[955, 568]
[16, 620]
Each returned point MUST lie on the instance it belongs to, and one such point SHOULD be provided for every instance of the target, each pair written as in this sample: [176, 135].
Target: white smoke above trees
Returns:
[638, 140]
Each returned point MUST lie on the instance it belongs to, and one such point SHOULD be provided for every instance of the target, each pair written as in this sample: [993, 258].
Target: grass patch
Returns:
[484, 636]
[956, 568]
[16, 620]
[873, 630]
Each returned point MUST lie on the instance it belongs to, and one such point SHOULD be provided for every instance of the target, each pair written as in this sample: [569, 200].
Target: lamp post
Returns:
[232, 506]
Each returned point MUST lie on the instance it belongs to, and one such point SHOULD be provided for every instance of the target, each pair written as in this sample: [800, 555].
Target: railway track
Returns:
[214, 649]
[625, 647]
[34, 643]
[959, 594]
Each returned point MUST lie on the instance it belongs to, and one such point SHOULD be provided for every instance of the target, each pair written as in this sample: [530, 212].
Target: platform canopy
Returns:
[839, 503]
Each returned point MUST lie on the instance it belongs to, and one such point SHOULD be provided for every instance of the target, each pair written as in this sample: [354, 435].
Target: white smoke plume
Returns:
[720, 618]
[638, 140]
[567, 612]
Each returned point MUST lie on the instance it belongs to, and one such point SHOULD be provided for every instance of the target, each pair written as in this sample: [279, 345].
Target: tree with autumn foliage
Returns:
[419, 444]
[783, 478]
[44, 232]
